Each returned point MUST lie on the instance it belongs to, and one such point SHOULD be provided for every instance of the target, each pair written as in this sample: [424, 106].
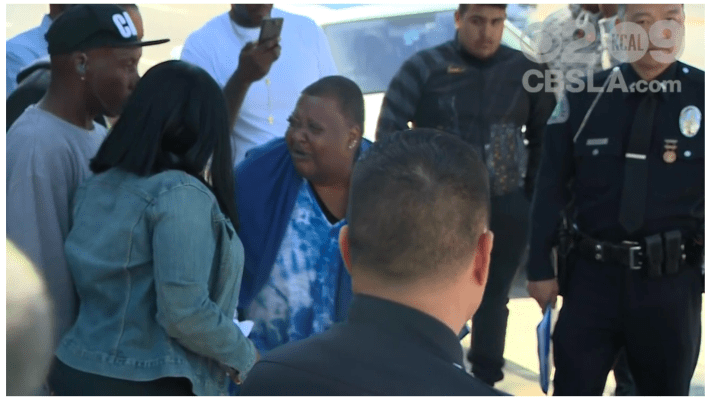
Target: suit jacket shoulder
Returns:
[358, 360]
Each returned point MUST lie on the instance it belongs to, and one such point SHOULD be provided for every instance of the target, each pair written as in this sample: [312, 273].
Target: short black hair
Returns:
[419, 200]
[347, 94]
[462, 8]
[175, 119]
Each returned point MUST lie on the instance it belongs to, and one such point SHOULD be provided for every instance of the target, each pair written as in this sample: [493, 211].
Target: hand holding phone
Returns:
[270, 29]
[256, 58]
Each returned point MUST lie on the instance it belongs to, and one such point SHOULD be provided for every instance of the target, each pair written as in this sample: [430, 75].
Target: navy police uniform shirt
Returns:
[590, 168]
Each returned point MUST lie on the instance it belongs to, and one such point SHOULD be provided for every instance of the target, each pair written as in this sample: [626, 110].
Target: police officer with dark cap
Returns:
[619, 205]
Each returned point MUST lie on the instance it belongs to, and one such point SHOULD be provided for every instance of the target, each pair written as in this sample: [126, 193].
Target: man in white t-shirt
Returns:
[260, 96]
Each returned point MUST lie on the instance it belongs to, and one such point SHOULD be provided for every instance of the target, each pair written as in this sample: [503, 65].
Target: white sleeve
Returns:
[196, 52]
[14, 63]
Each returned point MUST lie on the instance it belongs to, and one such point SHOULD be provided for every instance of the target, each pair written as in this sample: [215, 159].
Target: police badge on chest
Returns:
[690, 120]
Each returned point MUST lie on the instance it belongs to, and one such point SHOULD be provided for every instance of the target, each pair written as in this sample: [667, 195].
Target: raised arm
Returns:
[255, 61]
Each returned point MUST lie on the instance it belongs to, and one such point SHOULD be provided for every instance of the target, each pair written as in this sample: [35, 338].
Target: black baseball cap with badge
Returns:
[87, 26]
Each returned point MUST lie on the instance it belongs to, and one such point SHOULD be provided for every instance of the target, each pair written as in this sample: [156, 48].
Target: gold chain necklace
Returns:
[243, 37]
[268, 91]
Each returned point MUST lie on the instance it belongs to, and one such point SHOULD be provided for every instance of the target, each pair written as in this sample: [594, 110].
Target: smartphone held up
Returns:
[270, 29]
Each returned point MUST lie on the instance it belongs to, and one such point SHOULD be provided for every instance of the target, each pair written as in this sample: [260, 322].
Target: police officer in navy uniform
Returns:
[626, 167]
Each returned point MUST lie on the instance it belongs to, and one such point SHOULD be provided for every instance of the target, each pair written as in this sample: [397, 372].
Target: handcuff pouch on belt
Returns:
[673, 251]
[653, 254]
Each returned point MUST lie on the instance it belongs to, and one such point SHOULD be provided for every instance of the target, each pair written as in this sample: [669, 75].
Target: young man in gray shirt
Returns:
[94, 52]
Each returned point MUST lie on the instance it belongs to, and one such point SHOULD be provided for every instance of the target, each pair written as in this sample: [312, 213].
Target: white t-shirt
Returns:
[305, 58]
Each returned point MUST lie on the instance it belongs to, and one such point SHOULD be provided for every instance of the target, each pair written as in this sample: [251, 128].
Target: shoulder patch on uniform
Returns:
[561, 111]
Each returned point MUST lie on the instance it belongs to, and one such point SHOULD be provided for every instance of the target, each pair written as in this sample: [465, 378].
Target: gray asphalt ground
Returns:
[177, 21]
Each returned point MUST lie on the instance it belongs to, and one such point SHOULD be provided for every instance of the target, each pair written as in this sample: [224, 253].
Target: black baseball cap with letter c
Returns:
[87, 26]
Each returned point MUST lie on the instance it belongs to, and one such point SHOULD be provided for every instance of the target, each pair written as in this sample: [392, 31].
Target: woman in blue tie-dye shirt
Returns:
[293, 203]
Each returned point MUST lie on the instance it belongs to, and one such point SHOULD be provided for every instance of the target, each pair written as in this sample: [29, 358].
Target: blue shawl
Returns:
[267, 187]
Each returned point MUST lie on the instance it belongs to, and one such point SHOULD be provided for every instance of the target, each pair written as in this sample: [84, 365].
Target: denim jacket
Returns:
[158, 268]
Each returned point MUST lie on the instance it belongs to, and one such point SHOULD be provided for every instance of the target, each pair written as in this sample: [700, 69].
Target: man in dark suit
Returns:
[417, 246]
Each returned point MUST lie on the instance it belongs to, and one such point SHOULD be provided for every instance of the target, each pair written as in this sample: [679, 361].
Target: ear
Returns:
[79, 59]
[344, 241]
[456, 18]
[354, 135]
[481, 261]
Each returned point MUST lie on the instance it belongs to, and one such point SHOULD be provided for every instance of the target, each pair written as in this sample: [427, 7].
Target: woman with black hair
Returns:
[153, 250]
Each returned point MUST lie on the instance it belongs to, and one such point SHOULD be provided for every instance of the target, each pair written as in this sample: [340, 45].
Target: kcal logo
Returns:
[125, 25]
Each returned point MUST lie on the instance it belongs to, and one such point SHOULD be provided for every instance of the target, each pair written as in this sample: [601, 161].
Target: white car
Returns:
[370, 42]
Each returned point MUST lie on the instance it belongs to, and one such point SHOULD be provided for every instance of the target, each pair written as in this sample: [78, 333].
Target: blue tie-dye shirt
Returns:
[298, 300]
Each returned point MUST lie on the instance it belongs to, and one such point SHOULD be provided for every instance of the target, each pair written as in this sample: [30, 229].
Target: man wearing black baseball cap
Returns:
[94, 52]
[99, 45]
[32, 81]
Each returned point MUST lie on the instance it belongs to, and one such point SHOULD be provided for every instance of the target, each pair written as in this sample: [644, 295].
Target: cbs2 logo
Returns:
[629, 41]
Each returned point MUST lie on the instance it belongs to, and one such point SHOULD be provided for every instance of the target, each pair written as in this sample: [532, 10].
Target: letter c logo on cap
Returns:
[125, 25]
